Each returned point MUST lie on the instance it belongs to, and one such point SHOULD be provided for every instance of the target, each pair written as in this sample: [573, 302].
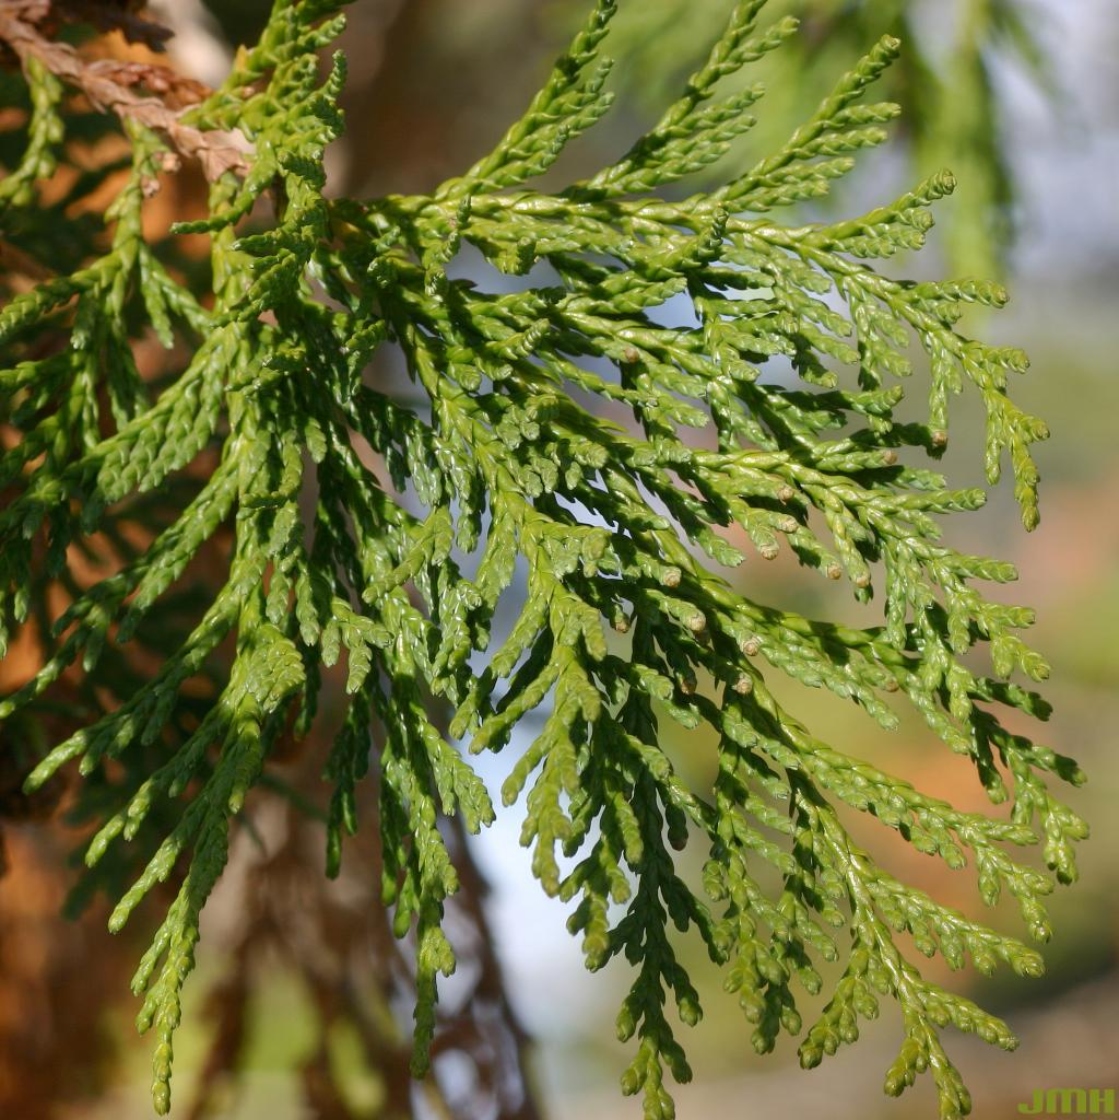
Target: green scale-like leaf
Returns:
[384, 530]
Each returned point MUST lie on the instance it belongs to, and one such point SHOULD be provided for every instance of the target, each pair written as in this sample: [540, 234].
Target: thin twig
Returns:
[107, 83]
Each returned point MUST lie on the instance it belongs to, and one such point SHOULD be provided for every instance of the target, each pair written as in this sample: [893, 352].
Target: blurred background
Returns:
[1026, 110]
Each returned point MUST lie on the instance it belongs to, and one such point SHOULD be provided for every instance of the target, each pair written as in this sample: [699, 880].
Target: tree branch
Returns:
[109, 85]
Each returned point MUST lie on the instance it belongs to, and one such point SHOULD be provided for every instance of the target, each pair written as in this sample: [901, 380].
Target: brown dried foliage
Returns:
[111, 85]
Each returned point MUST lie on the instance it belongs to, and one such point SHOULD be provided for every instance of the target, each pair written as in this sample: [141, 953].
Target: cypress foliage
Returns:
[772, 420]
[951, 109]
